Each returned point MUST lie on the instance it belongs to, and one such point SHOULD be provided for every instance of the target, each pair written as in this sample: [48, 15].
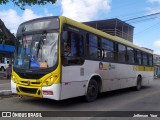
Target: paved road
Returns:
[2, 73]
[107, 101]
[148, 99]
[5, 84]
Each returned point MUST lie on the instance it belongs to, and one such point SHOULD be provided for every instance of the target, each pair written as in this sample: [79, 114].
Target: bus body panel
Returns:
[147, 76]
[73, 89]
[114, 76]
[55, 88]
[13, 87]
[73, 81]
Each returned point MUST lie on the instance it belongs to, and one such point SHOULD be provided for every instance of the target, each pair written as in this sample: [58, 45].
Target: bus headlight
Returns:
[50, 80]
[13, 79]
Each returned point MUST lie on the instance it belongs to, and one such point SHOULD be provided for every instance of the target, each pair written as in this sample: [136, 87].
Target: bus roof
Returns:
[101, 33]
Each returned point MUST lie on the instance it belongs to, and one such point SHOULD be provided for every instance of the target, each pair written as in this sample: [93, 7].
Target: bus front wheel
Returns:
[92, 91]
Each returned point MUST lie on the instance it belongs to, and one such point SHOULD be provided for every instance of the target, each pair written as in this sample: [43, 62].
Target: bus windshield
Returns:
[36, 51]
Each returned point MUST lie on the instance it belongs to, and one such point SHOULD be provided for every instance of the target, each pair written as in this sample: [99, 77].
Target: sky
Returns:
[146, 32]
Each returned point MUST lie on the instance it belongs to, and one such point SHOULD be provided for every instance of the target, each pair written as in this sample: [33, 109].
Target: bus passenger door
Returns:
[73, 80]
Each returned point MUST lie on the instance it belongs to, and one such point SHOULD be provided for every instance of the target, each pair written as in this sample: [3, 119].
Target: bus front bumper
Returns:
[51, 92]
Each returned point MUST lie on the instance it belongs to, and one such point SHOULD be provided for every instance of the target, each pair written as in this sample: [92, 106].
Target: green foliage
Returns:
[2, 36]
[8, 42]
[23, 3]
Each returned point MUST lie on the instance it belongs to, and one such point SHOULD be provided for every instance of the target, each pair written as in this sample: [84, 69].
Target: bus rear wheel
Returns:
[139, 83]
[92, 91]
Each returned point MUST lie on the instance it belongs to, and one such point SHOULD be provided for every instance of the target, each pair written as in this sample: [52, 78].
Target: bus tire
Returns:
[92, 91]
[139, 83]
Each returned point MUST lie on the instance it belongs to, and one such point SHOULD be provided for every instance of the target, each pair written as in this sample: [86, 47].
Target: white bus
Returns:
[59, 58]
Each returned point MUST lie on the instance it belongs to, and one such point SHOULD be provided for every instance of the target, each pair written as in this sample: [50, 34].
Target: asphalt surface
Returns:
[121, 100]
[5, 85]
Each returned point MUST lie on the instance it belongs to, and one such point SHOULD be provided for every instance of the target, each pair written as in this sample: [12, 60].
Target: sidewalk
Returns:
[5, 86]
[4, 82]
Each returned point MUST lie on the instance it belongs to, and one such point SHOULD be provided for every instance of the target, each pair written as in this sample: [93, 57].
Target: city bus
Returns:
[58, 58]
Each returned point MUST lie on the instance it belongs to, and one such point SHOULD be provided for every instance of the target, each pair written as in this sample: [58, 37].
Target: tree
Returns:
[23, 3]
[5, 33]
[2, 36]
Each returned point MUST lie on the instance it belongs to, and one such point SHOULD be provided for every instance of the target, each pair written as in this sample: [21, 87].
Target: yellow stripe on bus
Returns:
[143, 68]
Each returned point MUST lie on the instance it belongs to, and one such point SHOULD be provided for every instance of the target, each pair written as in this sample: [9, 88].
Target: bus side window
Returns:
[73, 50]
[93, 48]
[139, 57]
[130, 55]
[145, 59]
[108, 49]
[150, 60]
[121, 53]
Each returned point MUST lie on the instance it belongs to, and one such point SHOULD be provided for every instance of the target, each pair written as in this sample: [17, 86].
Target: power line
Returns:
[142, 18]
[153, 26]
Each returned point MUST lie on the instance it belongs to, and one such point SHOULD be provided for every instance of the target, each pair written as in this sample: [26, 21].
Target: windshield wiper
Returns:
[41, 41]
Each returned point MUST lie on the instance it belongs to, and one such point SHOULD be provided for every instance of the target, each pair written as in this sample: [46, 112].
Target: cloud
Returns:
[85, 10]
[153, 1]
[28, 15]
[152, 11]
[47, 13]
[12, 20]
[156, 12]
[157, 44]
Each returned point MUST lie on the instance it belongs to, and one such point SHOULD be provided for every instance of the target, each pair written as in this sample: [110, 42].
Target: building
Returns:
[114, 27]
[156, 62]
[6, 49]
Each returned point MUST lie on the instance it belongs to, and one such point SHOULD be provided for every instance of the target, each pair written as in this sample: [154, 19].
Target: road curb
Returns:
[5, 92]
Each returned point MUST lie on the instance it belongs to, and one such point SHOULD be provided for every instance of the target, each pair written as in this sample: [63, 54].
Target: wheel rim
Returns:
[92, 91]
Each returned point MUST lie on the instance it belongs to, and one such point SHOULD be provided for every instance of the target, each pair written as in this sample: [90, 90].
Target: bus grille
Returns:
[28, 90]
[35, 83]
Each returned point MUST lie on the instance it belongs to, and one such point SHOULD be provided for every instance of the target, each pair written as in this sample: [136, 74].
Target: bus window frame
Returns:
[74, 30]
[115, 50]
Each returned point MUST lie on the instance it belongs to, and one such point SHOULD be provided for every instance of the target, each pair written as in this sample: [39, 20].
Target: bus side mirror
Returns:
[65, 35]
